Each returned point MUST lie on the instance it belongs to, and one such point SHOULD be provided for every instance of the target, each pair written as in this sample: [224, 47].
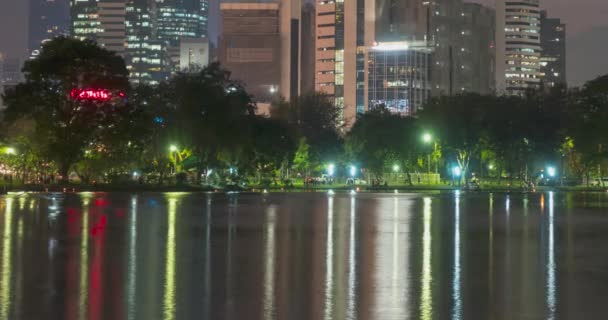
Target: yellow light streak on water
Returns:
[169, 296]
[7, 244]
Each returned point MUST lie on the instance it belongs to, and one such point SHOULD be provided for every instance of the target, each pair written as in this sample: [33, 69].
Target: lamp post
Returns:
[331, 169]
[396, 171]
[173, 154]
[427, 138]
[456, 172]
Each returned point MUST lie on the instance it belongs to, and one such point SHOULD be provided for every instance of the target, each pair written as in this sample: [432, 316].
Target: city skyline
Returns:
[585, 20]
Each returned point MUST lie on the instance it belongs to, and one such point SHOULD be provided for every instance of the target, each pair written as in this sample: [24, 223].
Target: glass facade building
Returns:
[146, 56]
[399, 77]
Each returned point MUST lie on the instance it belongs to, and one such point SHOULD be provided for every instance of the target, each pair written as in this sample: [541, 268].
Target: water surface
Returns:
[304, 256]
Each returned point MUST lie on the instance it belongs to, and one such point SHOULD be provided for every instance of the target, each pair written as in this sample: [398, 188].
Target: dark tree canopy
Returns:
[65, 126]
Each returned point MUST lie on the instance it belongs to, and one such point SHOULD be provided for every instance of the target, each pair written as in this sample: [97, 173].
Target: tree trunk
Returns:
[64, 171]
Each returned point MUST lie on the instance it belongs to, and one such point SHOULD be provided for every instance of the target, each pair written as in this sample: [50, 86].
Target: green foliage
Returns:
[64, 127]
[380, 139]
[211, 119]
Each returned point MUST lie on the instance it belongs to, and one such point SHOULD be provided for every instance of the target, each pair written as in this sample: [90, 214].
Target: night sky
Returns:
[587, 23]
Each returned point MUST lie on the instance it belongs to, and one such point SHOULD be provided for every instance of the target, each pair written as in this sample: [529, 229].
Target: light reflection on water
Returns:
[303, 256]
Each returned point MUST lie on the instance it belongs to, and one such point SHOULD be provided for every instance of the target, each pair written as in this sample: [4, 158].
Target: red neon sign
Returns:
[93, 94]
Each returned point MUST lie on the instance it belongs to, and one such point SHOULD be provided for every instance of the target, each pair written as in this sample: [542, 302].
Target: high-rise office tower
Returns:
[146, 56]
[176, 20]
[47, 19]
[260, 44]
[553, 57]
[250, 47]
[100, 20]
[308, 31]
[475, 50]
[518, 46]
[146, 32]
[398, 56]
[85, 19]
[340, 53]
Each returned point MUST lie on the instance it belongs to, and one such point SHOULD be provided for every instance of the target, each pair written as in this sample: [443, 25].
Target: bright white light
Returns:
[551, 171]
[331, 169]
[427, 138]
[353, 192]
[331, 192]
[395, 168]
[456, 171]
[10, 150]
[391, 46]
[353, 171]
[173, 148]
[135, 174]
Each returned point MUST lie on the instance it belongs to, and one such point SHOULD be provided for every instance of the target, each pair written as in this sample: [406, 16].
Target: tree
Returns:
[588, 115]
[379, 140]
[458, 122]
[211, 115]
[63, 125]
[273, 145]
[317, 118]
[301, 161]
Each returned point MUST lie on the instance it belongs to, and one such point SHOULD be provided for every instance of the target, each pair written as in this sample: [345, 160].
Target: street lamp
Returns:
[456, 172]
[353, 171]
[395, 168]
[173, 148]
[551, 171]
[428, 138]
[10, 150]
[331, 169]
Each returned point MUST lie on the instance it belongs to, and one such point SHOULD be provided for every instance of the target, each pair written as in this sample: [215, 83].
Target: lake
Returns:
[447, 255]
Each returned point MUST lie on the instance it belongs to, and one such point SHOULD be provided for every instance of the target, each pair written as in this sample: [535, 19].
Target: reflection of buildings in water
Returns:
[7, 260]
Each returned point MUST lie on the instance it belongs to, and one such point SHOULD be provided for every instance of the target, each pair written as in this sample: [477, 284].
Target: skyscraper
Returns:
[399, 52]
[261, 45]
[518, 46]
[146, 32]
[146, 56]
[100, 20]
[47, 19]
[476, 50]
[340, 54]
[85, 19]
[250, 47]
[553, 44]
[179, 19]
